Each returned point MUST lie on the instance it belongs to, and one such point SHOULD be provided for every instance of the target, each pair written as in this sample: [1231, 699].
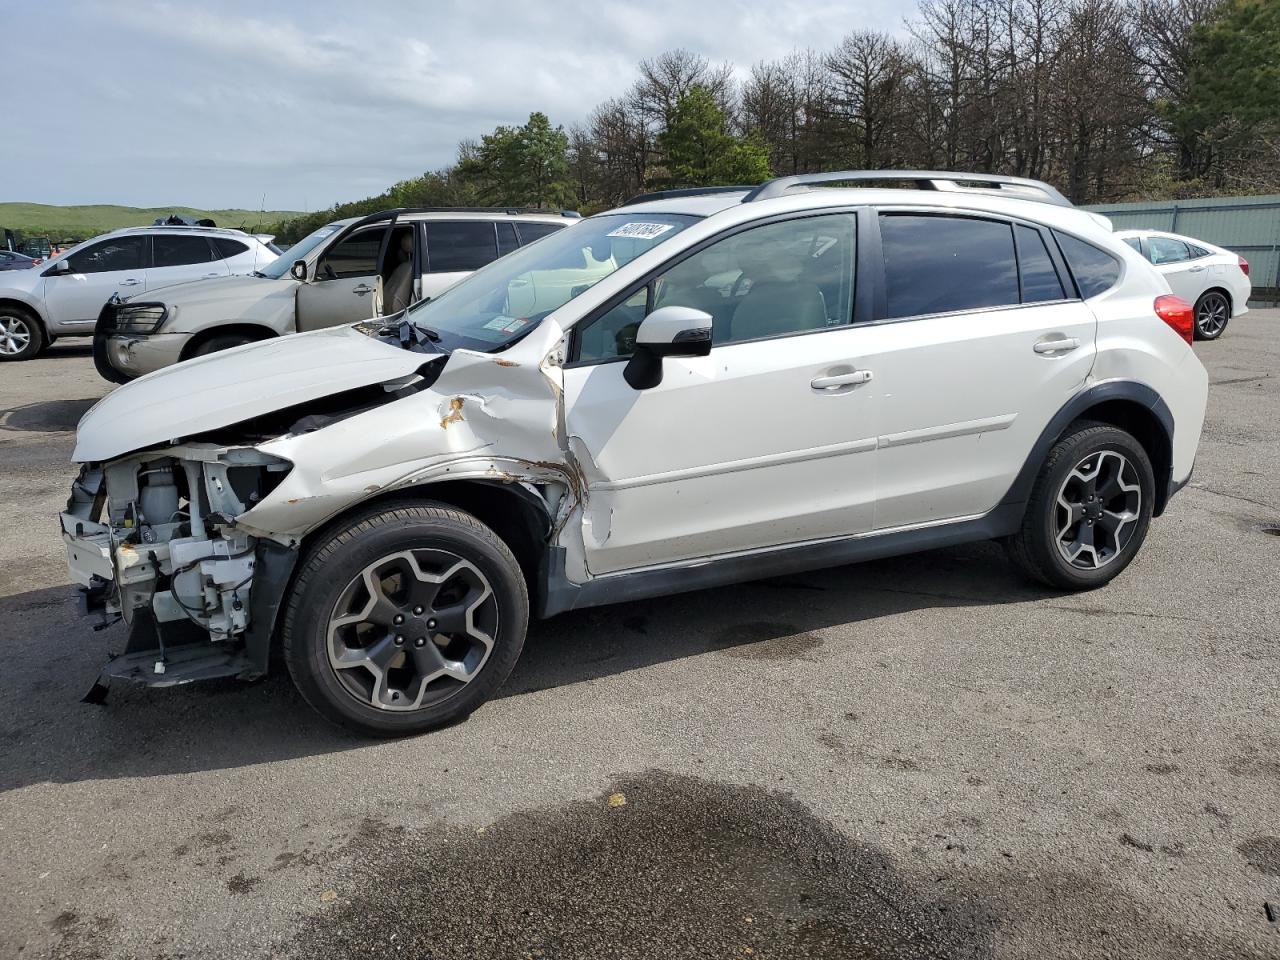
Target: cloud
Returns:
[318, 101]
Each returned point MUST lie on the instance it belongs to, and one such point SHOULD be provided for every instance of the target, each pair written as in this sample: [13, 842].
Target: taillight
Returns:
[1178, 314]
[1244, 264]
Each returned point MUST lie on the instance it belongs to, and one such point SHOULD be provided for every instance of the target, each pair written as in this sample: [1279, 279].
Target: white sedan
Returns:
[1214, 279]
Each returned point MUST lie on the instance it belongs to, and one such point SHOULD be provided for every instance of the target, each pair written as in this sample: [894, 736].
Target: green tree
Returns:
[520, 166]
[1233, 89]
[699, 151]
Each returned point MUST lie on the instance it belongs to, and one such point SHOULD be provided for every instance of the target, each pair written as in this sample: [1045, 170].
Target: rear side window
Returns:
[454, 247]
[940, 264]
[507, 239]
[169, 250]
[1040, 280]
[228, 248]
[1095, 270]
[531, 230]
[1134, 242]
[1166, 250]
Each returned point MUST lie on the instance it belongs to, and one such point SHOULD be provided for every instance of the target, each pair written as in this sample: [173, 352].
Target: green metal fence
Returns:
[1249, 226]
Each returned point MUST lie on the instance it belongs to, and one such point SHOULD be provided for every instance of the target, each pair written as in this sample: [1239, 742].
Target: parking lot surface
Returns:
[914, 757]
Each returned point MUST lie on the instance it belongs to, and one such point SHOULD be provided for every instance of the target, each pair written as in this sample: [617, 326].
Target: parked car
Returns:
[345, 271]
[65, 296]
[1215, 280]
[12, 260]
[698, 388]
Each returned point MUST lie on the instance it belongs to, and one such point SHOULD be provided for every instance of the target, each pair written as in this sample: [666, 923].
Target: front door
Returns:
[113, 265]
[344, 280]
[978, 348]
[767, 441]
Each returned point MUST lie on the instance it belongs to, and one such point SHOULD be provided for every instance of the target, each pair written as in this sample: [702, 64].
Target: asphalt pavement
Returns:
[915, 757]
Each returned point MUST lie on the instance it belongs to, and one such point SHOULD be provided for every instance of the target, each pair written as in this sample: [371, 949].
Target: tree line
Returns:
[1107, 99]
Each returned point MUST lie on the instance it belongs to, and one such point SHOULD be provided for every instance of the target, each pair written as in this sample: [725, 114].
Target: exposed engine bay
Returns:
[155, 534]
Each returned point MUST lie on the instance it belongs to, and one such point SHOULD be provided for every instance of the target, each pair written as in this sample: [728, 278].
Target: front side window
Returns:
[118, 253]
[1095, 270]
[941, 264]
[356, 256]
[456, 247]
[1040, 280]
[782, 278]
[1167, 250]
[278, 267]
[176, 250]
[506, 299]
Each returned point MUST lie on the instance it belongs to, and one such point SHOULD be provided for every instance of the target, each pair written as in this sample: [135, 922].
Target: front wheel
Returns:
[1213, 310]
[21, 336]
[405, 621]
[1089, 510]
[220, 342]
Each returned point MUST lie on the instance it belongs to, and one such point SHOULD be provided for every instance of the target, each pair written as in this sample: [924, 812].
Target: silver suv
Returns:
[345, 271]
[63, 297]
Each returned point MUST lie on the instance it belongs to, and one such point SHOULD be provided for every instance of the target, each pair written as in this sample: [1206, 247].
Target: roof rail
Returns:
[687, 192]
[989, 183]
[391, 212]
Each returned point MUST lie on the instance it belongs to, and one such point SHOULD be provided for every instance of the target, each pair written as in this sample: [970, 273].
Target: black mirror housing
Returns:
[667, 332]
[299, 270]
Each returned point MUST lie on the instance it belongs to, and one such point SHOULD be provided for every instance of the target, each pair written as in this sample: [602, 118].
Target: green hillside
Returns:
[59, 223]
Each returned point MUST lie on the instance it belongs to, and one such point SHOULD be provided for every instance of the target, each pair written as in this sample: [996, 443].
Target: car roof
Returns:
[551, 216]
[176, 228]
[730, 208]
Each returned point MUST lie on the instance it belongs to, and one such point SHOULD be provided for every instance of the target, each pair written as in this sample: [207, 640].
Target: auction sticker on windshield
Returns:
[641, 231]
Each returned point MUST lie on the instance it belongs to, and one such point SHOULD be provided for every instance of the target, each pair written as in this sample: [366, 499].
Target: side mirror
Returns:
[299, 270]
[61, 267]
[667, 332]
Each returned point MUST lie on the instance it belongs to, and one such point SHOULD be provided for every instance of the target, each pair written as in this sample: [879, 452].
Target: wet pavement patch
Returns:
[683, 868]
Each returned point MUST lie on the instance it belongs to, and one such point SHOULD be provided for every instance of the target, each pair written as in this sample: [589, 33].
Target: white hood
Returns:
[234, 385]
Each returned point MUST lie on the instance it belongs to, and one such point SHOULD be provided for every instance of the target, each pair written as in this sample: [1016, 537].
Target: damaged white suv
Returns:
[698, 388]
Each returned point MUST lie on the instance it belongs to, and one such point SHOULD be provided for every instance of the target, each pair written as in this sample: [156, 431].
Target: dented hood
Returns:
[225, 388]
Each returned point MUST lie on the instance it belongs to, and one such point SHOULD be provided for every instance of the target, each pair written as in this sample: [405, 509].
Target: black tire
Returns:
[21, 335]
[1035, 550]
[334, 565]
[1212, 314]
[220, 342]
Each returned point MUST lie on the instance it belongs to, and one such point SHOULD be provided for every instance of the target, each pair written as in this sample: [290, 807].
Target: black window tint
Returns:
[936, 264]
[507, 239]
[453, 247]
[1094, 270]
[1040, 280]
[531, 230]
[356, 256]
[228, 248]
[170, 250]
[118, 253]
[1166, 250]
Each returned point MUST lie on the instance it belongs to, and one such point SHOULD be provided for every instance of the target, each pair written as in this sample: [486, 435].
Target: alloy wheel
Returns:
[1212, 315]
[412, 629]
[1097, 509]
[15, 335]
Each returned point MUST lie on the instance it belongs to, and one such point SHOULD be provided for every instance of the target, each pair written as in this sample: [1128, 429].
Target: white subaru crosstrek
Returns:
[726, 384]
[63, 296]
[1213, 280]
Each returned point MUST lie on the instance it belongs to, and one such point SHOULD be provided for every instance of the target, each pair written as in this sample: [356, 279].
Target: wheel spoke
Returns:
[1100, 501]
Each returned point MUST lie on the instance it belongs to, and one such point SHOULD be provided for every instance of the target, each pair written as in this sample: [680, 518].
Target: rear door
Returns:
[111, 265]
[343, 282]
[179, 257]
[971, 357]
[454, 249]
[1172, 259]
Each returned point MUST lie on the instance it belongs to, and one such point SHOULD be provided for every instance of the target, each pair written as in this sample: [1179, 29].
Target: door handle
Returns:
[1061, 345]
[209, 276]
[362, 289]
[129, 283]
[840, 380]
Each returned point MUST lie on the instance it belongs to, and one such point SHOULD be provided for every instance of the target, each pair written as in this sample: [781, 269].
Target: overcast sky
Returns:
[214, 105]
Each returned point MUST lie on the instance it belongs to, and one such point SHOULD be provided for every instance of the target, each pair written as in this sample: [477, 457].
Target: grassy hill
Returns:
[39, 219]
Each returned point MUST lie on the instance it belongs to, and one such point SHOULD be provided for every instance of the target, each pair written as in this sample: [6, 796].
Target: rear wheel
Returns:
[407, 620]
[1213, 310]
[1089, 509]
[21, 336]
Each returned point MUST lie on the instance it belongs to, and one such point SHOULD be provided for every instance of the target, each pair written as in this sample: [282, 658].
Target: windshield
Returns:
[508, 297]
[278, 267]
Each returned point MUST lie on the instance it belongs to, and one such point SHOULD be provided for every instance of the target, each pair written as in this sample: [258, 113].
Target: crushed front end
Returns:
[152, 539]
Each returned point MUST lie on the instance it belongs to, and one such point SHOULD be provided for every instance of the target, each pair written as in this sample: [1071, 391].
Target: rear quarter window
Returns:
[1095, 270]
[228, 248]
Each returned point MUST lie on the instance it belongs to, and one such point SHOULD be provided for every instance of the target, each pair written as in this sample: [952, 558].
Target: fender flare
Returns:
[1130, 390]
